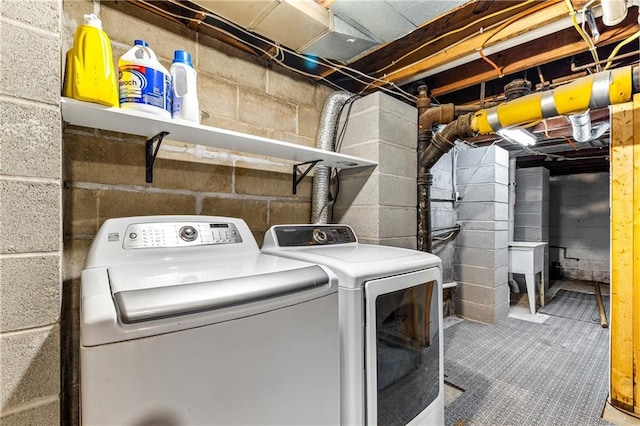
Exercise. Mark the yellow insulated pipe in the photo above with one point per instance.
(593, 91)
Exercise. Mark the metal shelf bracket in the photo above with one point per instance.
(297, 180)
(152, 153)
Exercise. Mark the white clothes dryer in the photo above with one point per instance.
(185, 322)
(390, 323)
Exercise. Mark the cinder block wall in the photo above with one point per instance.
(531, 219)
(380, 204)
(481, 267)
(30, 212)
(104, 172)
(579, 238)
(443, 213)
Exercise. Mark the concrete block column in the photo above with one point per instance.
(481, 248)
(380, 203)
(30, 208)
(531, 221)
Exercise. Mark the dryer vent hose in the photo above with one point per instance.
(320, 203)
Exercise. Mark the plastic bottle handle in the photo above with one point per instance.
(180, 81)
(150, 54)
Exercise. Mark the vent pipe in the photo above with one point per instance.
(613, 11)
(320, 201)
(427, 119)
(581, 126)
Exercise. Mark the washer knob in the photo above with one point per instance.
(319, 236)
(188, 233)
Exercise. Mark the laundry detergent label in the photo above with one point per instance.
(144, 85)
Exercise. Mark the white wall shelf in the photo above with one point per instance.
(152, 127)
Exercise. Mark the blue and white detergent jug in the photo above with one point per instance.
(144, 84)
(185, 96)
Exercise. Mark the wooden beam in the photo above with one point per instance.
(622, 249)
(635, 284)
(547, 49)
(420, 43)
(325, 3)
(447, 50)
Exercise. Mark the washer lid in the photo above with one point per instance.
(145, 292)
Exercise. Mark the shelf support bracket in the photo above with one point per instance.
(153, 153)
(296, 179)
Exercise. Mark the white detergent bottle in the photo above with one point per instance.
(185, 95)
(144, 84)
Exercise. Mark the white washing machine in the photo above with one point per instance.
(390, 323)
(185, 322)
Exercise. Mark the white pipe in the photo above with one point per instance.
(451, 284)
(613, 12)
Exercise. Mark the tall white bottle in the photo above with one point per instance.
(145, 85)
(185, 92)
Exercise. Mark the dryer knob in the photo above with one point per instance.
(188, 233)
(320, 236)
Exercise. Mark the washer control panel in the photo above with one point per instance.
(313, 235)
(179, 234)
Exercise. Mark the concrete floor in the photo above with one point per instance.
(520, 302)
(520, 309)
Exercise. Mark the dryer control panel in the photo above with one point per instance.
(312, 235)
(179, 234)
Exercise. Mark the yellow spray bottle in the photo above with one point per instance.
(90, 75)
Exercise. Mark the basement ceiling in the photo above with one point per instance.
(465, 52)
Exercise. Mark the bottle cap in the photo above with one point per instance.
(140, 43)
(93, 21)
(182, 57)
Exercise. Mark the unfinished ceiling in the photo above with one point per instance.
(465, 52)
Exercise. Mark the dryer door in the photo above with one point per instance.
(403, 341)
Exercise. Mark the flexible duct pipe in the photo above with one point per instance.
(613, 11)
(581, 126)
(326, 137)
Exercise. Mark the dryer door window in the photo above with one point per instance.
(403, 327)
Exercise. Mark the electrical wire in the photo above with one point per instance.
(620, 46)
(280, 50)
(445, 238)
(337, 143)
(490, 62)
(570, 142)
(585, 37)
(502, 27)
(440, 37)
(325, 63)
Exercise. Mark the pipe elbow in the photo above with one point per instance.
(442, 142)
(441, 114)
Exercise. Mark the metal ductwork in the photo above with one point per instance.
(320, 201)
(343, 32)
